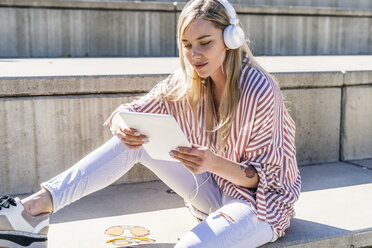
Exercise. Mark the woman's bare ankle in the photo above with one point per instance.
(38, 203)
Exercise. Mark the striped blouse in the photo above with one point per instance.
(262, 135)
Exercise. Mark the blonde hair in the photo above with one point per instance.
(191, 88)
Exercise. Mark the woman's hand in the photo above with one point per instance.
(197, 159)
(129, 136)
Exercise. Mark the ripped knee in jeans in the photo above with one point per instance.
(226, 217)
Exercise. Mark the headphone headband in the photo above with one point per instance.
(233, 34)
(231, 11)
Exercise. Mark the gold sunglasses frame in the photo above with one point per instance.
(126, 227)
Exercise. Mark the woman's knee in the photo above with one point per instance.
(198, 237)
(233, 225)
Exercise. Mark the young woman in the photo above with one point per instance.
(242, 154)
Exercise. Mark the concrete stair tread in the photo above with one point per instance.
(73, 76)
(334, 208)
(332, 212)
(67, 67)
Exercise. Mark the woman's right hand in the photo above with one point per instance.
(129, 136)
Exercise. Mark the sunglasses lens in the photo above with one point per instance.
(121, 242)
(147, 241)
(114, 231)
(139, 231)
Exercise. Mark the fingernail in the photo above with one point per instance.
(137, 133)
(145, 140)
(177, 149)
(171, 154)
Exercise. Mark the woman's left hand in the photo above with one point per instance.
(197, 159)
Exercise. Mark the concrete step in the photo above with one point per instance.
(48, 28)
(24, 68)
(333, 211)
(57, 104)
(356, 4)
(62, 76)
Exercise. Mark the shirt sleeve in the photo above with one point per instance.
(264, 151)
(152, 102)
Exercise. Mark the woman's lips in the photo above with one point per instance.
(200, 66)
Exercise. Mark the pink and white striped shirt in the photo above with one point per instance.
(262, 135)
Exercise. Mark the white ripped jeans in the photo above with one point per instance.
(109, 162)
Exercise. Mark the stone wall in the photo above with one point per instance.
(46, 28)
(355, 4)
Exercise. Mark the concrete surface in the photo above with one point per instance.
(317, 134)
(361, 4)
(358, 67)
(357, 136)
(341, 5)
(52, 110)
(365, 163)
(145, 204)
(46, 28)
(334, 208)
(333, 211)
(22, 77)
(90, 32)
(357, 77)
(306, 35)
(43, 136)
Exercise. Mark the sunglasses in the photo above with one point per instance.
(127, 235)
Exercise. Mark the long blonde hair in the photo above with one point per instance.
(191, 89)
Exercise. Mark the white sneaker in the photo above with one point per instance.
(18, 228)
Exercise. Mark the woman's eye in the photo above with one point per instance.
(205, 43)
(188, 46)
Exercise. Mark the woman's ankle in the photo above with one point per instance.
(38, 203)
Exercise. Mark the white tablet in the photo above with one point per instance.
(163, 132)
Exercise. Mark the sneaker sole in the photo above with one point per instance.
(14, 245)
(16, 240)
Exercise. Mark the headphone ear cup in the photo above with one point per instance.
(233, 36)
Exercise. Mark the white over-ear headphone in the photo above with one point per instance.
(233, 35)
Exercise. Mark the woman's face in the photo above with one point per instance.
(203, 46)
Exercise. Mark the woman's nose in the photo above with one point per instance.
(195, 53)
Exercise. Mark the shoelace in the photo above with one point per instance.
(6, 201)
